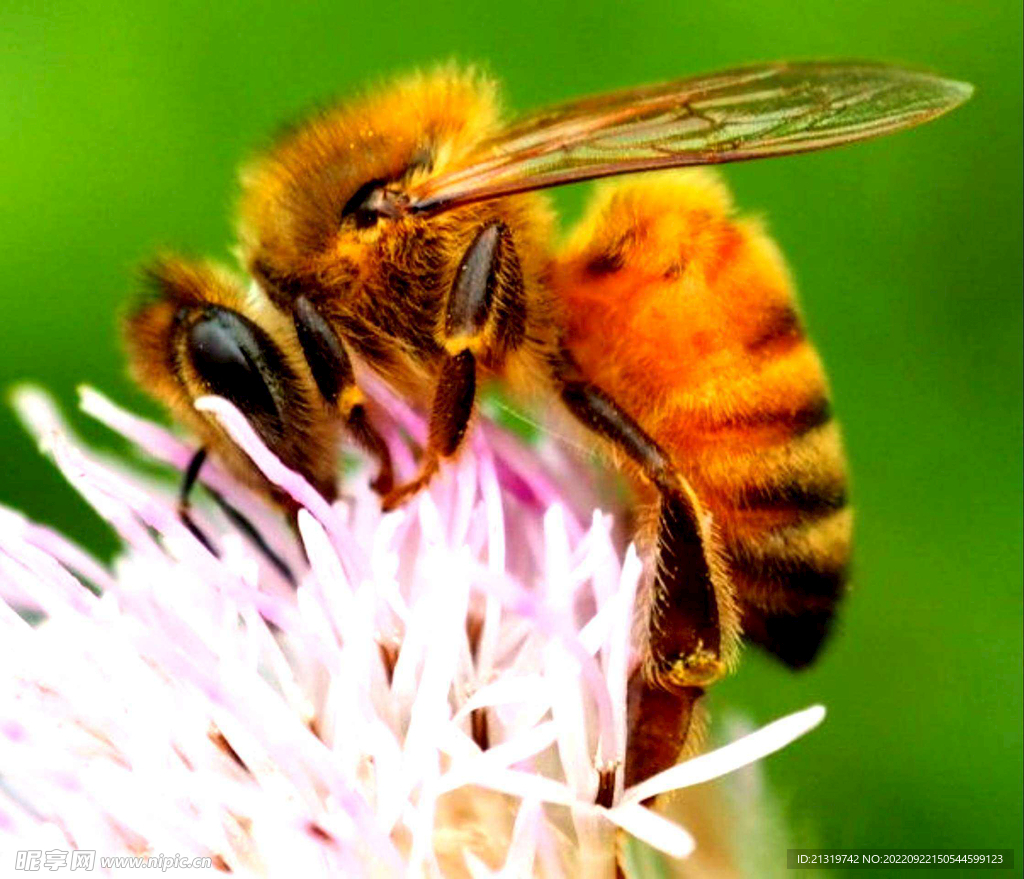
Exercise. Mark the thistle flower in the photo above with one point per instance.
(441, 695)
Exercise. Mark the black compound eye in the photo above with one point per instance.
(237, 360)
(365, 203)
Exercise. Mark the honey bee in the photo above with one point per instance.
(408, 230)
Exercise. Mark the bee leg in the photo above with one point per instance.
(371, 442)
(195, 465)
(488, 270)
(658, 721)
(242, 523)
(185, 503)
(684, 645)
(449, 420)
(684, 632)
(332, 371)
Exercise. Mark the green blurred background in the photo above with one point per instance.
(123, 124)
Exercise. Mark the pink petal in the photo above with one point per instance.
(656, 831)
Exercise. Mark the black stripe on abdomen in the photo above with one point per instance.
(805, 496)
(787, 583)
(793, 576)
(780, 328)
(811, 415)
(795, 639)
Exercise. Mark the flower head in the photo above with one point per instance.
(442, 694)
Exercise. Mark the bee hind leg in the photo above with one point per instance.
(684, 630)
(684, 649)
(488, 273)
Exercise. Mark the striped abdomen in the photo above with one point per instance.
(686, 318)
(774, 479)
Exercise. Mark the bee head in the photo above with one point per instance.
(197, 333)
(315, 209)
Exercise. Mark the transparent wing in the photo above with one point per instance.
(747, 113)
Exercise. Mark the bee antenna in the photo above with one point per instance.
(185, 504)
(240, 521)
